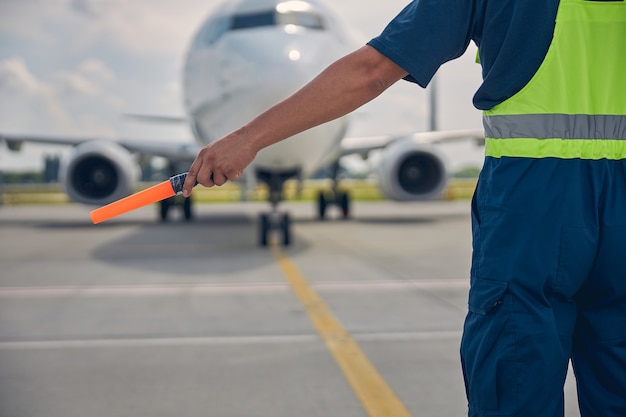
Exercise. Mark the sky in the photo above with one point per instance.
(75, 67)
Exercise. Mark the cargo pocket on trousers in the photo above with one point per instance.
(487, 350)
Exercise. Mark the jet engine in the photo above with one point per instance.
(99, 172)
(411, 170)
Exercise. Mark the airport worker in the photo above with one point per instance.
(548, 273)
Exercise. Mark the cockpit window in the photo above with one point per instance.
(308, 20)
(305, 19)
(290, 13)
(252, 20)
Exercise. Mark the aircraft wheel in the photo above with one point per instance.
(321, 205)
(285, 226)
(164, 207)
(344, 203)
(264, 229)
(187, 209)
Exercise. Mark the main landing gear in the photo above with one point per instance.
(177, 201)
(275, 222)
(335, 197)
(338, 198)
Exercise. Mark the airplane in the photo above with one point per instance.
(247, 56)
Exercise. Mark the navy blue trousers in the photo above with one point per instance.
(548, 285)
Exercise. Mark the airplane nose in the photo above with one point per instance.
(274, 57)
(249, 71)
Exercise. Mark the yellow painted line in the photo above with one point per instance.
(375, 395)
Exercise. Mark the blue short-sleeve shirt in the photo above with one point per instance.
(513, 37)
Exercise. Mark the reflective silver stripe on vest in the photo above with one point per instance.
(555, 126)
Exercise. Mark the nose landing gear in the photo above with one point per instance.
(274, 223)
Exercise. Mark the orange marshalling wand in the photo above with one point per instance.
(150, 195)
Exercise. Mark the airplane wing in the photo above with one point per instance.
(175, 151)
(362, 145)
(411, 167)
(99, 170)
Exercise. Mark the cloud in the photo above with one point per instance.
(15, 78)
(87, 80)
(154, 27)
(27, 101)
(98, 70)
(74, 66)
(90, 8)
(68, 102)
(71, 84)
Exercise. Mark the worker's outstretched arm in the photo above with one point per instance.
(341, 88)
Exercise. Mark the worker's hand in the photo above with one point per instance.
(219, 162)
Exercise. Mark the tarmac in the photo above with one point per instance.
(134, 317)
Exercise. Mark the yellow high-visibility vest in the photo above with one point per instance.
(575, 104)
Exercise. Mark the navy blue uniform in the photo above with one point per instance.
(512, 36)
(548, 276)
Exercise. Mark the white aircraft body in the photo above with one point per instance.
(246, 57)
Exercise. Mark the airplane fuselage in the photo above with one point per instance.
(248, 56)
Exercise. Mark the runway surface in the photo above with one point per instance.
(137, 318)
